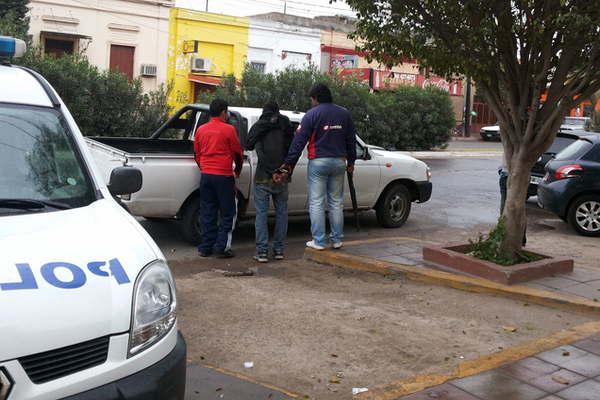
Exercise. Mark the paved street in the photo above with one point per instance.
(465, 198)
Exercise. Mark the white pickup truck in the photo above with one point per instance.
(385, 181)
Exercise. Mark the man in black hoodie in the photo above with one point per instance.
(271, 135)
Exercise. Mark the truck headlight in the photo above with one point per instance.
(428, 174)
(154, 306)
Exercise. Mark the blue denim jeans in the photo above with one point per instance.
(326, 189)
(262, 193)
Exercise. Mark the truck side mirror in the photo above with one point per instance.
(366, 155)
(125, 180)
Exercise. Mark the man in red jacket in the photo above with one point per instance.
(217, 148)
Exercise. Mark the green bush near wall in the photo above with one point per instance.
(104, 103)
(407, 118)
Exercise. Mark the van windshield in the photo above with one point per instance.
(41, 170)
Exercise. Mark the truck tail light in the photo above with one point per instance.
(568, 171)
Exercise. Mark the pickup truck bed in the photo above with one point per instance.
(148, 146)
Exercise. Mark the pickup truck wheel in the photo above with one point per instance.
(393, 209)
(584, 215)
(192, 230)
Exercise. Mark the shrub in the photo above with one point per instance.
(104, 103)
(408, 118)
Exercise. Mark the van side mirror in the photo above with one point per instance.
(125, 180)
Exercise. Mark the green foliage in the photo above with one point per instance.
(516, 52)
(104, 103)
(406, 119)
(487, 247)
(13, 18)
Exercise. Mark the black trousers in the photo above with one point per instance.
(218, 205)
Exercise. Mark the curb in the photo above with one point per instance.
(460, 282)
(451, 154)
(482, 364)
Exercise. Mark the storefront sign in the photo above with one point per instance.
(190, 46)
(344, 61)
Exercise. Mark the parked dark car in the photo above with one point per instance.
(571, 186)
(562, 141)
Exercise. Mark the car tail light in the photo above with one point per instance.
(568, 171)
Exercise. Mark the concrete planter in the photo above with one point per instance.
(455, 258)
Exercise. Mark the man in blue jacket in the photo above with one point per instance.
(329, 131)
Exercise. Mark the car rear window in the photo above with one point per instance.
(593, 155)
(575, 150)
(560, 143)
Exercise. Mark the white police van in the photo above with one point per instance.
(87, 301)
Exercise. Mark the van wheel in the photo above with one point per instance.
(584, 215)
(190, 220)
(394, 207)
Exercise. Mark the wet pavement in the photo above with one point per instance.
(465, 197)
(570, 372)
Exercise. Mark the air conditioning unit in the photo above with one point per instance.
(200, 64)
(148, 70)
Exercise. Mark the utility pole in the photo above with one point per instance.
(467, 116)
(206, 6)
(284, 7)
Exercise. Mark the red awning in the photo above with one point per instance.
(205, 80)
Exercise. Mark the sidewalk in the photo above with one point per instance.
(570, 372)
(581, 283)
(567, 372)
(463, 148)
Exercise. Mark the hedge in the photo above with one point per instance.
(407, 118)
(104, 103)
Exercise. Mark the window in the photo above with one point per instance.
(121, 59)
(593, 155)
(575, 150)
(59, 47)
(258, 66)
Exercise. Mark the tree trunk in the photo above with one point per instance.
(514, 209)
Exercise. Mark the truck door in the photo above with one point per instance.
(367, 175)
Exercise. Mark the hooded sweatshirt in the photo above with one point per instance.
(271, 135)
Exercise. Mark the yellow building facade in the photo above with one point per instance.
(203, 47)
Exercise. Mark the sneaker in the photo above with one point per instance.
(262, 257)
(278, 254)
(224, 254)
(315, 246)
(204, 254)
(338, 245)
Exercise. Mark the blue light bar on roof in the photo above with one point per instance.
(11, 47)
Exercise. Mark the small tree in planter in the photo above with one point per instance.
(516, 51)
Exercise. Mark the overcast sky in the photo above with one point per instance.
(308, 8)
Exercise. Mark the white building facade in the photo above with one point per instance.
(126, 35)
(274, 46)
